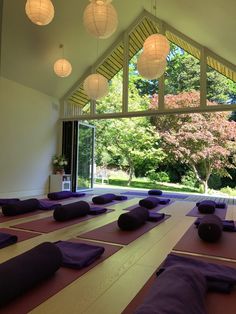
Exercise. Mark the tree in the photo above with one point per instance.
(203, 141)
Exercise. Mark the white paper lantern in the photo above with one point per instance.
(156, 46)
(100, 18)
(62, 68)
(150, 69)
(40, 12)
(96, 86)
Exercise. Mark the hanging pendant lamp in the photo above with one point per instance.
(96, 86)
(156, 47)
(62, 66)
(40, 12)
(149, 69)
(100, 18)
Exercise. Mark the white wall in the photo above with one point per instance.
(29, 130)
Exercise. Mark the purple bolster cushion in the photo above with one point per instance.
(63, 195)
(133, 219)
(177, 290)
(155, 192)
(6, 201)
(149, 202)
(104, 198)
(210, 228)
(71, 211)
(23, 272)
(21, 207)
(206, 207)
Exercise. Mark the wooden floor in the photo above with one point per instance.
(110, 286)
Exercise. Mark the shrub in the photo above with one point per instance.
(189, 179)
(161, 176)
(229, 191)
(214, 182)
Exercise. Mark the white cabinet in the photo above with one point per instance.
(60, 182)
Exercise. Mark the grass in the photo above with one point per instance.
(142, 184)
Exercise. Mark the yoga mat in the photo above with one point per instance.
(8, 218)
(155, 209)
(190, 242)
(216, 303)
(62, 278)
(220, 212)
(166, 195)
(112, 233)
(48, 224)
(21, 235)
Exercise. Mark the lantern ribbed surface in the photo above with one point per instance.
(96, 86)
(156, 47)
(62, 68)
(150, 69)
(100, 19)
(40, 12)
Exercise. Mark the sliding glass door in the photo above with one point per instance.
(85, 156)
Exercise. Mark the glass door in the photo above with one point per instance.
(85, 156)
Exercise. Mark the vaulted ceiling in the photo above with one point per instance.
(28, 52)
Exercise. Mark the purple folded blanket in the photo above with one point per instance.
(7, 239)
(155, 216)
(133, 219)
(63, 195)
(97, 210)
(78, 255)
(21, 207)
(228, 225)
(6, 201)
(48, 205)
(178, 290)
(71, 211)
(23, 272)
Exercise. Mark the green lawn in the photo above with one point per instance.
(142, 184)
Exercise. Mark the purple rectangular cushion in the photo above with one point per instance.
(78, 255)
(7, 239)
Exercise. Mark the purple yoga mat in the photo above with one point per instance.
(21, 235)
(165, 194)
(48, 224)
(62, 278)
(155, 209)
(191, 242)
(216, 303)
(112, 233)
(220, 212)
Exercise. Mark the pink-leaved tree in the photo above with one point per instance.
(206, 142)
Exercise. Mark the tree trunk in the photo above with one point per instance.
(131, 172)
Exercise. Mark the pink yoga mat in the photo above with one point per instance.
(190, 242)
(21, 235)
(48, 224)
(216, 303)
(112, 233)
(220, 212)
(155, 209)
(62, 278)
(8, 218)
